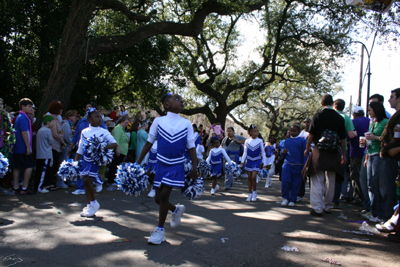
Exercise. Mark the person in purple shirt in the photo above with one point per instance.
(361, 124)
(22, 150)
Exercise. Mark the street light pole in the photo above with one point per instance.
(369, 76)
(361, 76)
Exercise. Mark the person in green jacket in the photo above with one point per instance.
(119, 134)
(373, 161)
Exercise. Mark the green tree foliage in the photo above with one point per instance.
(304, 41)
(30, 32)
(276, 110)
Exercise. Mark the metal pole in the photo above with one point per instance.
(361, 76)
(369, 73)
(369, 82)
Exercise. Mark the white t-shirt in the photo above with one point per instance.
(199, 151)
(304, 134)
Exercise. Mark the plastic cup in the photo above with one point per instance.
(368, 134)
(362, 145)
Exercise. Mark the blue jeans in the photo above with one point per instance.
(387, 186)
(364, 185)
(373, 173)
(338, 186)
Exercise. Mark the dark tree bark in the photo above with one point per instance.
(70, 57)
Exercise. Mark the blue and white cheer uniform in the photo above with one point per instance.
(88, 167)
(254, 154)
(174, 134)
(215, 159)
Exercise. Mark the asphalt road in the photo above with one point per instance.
(220, 230)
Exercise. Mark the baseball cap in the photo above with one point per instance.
(107, 119)
(358, 109)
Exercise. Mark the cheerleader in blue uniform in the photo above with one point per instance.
(215, 158)
(254, 155)
(151, 168)
(174, 134)
(89, 169)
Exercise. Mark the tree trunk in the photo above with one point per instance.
(70, 58)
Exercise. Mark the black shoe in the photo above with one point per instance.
(227, 189)
(314, 213)
(327, 211)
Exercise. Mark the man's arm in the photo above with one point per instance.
(352, 134)
(343, 146)
(308, 146)
(25, 137)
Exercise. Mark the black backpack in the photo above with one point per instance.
(329, 141)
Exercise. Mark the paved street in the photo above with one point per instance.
(220, 230)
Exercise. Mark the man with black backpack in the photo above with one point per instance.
(327, 131)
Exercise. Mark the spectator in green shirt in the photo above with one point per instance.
(119, 134)
(373, 162)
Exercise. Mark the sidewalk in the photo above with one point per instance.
(221, 230)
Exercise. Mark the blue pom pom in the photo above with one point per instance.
(3, 165)
(269, 151)
(69, 170)
(233, 169)
(263, 173)
(95, 149)
(131, 178)
(188, 167)
(203, 168)
(193, 189)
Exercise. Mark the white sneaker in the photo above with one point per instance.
(91, 210)
(99, 187)
(212, 191)
(291, 204)
(284, 202)
(176, 216)
(43, 191)
(216, 188)
(248, 199)
(254, 196)
(152, 193)
(157, 236)
(78, 192)
(299, 199)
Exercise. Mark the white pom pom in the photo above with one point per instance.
(203, 168)
(3, 165)
(188, 167)
(95, 149)
(69, 170)
(193, 189)
(263, 173)
(131, 179)
(233, 169)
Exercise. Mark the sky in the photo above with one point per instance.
(385, 73)
(385, 65)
